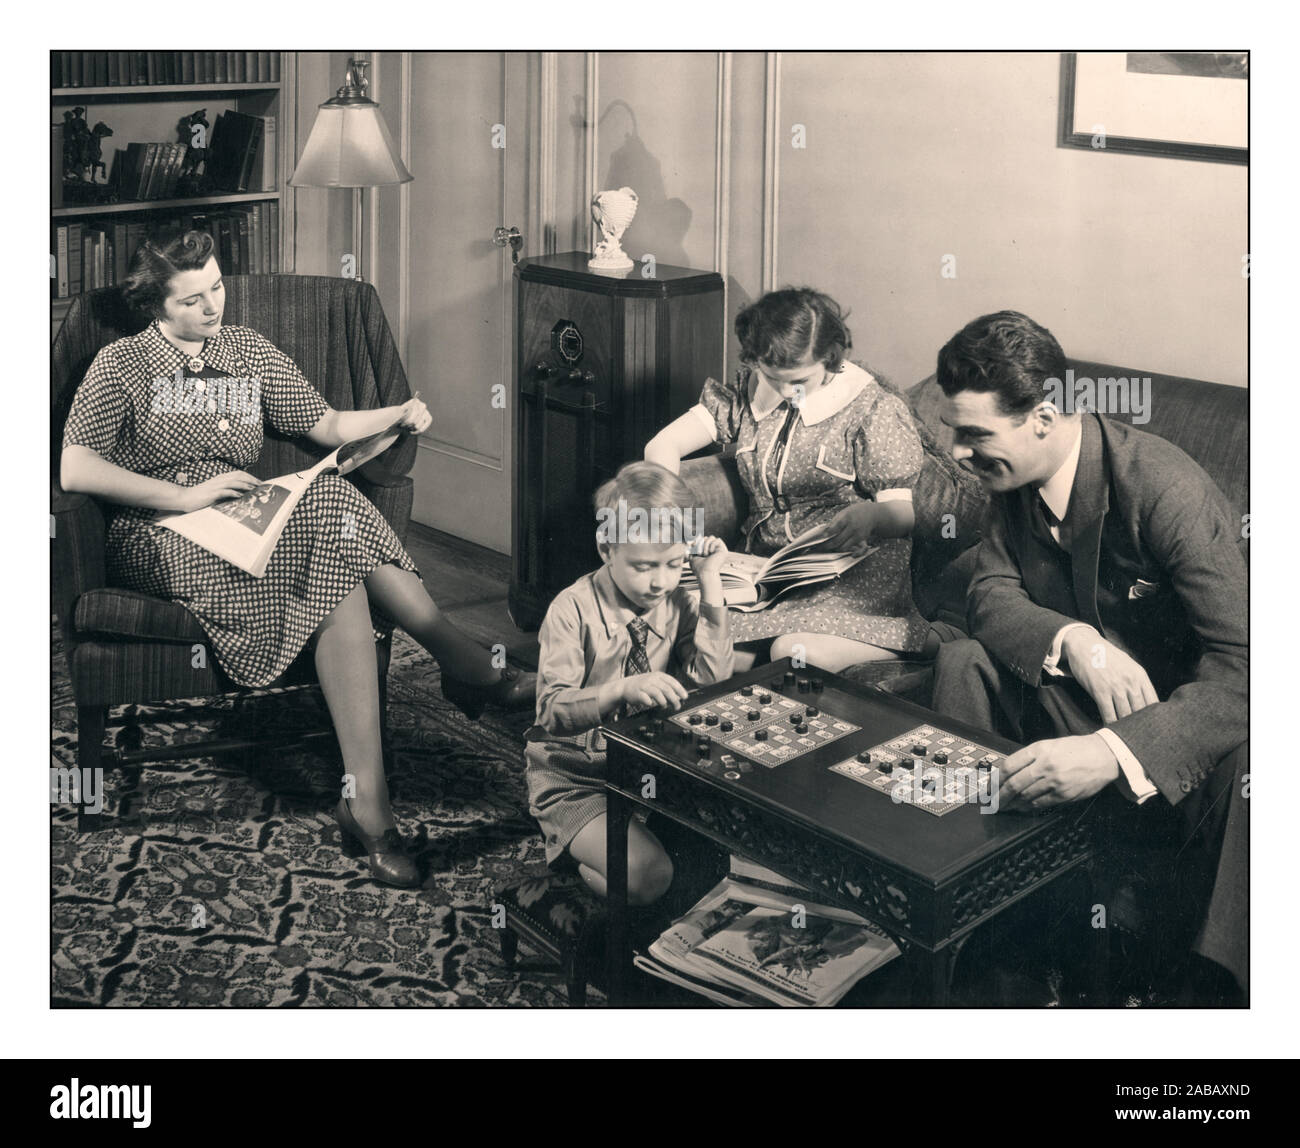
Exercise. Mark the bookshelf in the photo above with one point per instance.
(150, 113)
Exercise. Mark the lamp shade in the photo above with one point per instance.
(349, 146)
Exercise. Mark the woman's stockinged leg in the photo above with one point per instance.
(348, 673)
(401, 595)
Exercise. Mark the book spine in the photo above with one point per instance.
(135, 235)
(220, 60)
(209, 68)
(61, 259)
(120, 253)
(256, 240)
(269, 154)
(245, 243)
(114, 76)
(74, 69)
(273, 70)
(74, 258)
(250, 67)
(263, 67)
(252, 149)
(147, 167)
(275, 238)
(187, 67)
(56, 69)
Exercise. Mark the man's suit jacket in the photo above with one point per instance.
(1154, 564)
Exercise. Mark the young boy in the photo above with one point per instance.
(611, 644)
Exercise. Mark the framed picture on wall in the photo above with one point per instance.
(1185, 105)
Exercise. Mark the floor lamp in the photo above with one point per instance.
(350, 146)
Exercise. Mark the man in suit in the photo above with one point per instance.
(1107, 616)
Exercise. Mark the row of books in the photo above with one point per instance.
(92, 255)
(240, 157)
(113, 69)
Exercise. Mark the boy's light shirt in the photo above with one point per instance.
(585, 642)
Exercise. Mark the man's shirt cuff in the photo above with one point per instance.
(1133, 780)
(1052, 663)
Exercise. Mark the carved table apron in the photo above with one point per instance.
(926, 881)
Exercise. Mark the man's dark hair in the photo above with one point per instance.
(1006, 353)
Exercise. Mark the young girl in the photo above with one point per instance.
(610, 643)
(823, 449)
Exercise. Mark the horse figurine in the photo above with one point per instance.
(196, 153)
(82, 149)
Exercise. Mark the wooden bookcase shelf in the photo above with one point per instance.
(149, 113)
(134, 91)
(160, 204)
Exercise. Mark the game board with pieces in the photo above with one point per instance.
(765, 726)
(925, 767)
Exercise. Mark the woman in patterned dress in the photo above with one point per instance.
(822, 447)
(146, 434)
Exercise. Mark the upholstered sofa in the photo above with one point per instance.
(1207, 420)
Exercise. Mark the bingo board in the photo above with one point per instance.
(764, 726)
(926, 767)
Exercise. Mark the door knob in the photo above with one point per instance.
(509, 235)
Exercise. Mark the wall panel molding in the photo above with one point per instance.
(592, 97)
(771, 167)
(548, 100)
(722, 168)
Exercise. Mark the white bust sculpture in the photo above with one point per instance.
(613, 212)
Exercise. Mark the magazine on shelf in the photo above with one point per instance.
(767, 946)
(751, 582)
(244, 530)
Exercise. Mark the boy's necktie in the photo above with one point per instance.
(637, 661)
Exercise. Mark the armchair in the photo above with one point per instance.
(126, 648)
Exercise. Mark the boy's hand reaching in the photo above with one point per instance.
(654, 690)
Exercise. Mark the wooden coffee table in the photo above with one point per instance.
(927, 880)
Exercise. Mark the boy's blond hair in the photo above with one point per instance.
(646, 502)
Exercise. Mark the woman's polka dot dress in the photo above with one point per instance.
(147, 406)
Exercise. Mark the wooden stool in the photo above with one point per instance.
(560, 917)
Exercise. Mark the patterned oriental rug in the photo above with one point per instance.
(223, 883)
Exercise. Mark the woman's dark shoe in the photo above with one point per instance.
(386, 853)
(514, 690)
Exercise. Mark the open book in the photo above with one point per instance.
(750, 582)
(766, 942)
(245, 530)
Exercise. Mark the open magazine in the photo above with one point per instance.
(245, 530)
(755, 942)
(751, 582)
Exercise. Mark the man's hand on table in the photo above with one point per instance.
(1055, 771)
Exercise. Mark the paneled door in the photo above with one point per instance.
(467, 150)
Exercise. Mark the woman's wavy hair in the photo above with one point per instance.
(157, 261)
(783, 328)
